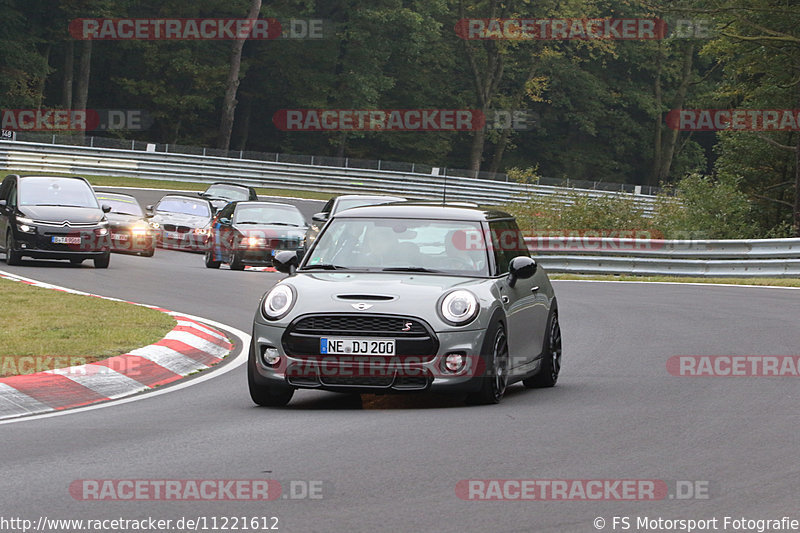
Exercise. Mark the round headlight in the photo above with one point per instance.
(459, 307)
(278, 302)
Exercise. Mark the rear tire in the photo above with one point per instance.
(210, 263)
(265, 395)
(495, 381)
(551, 357)
(13, 257)
(102, 261)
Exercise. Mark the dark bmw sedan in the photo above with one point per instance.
(46, 217)
(221, 193)
(182, 222)
(130, 230)
(251, 233)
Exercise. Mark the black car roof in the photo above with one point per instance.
(261, 202)
(423, 210)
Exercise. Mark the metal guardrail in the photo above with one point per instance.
(779, 258)
(36, 157)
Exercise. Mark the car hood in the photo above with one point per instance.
(180, 219)
(75, 215)
(408, 294)
(120, 220)
(271, 231)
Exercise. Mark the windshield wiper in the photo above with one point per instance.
(408, 269)
(324, 266)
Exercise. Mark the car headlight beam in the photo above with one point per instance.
(459, 307)
(278, 301)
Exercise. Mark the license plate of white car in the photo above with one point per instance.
(173, 235)
(355, 346)
(120, 237)
(66, 240)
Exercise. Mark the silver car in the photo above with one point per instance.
(407, 297)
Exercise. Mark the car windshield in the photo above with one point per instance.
(63, 192)
(228, 192)
(185, 206)
(415, 245)
(268, 214)
(349, 203)
(123, 205)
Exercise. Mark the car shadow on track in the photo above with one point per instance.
(421, 400)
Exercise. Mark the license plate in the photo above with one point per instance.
(66, 240)
(355, 346)
(119, 237)
(173, 235)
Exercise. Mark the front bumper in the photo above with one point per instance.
(127, 241)
(263, 256)
(83, 243)
(371, 374)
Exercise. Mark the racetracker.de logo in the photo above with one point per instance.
(734, 119)
(562, 489)
(175, 489)
(180, 29)
(561, 29)
(732, 366)
(379, 120)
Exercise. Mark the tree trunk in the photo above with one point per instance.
(655, 173)
(243, 126)
(796, 208)
(229, 103)
(84, 71)
(69, 61)
(680, 98)
(43, 79)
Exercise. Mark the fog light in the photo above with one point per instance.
(270, 355)
(454, 362)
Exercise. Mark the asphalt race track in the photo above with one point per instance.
(392, 463)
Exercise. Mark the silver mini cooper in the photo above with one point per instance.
(407, 297)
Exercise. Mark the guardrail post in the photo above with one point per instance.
(346, 161)
(379, 164)
(204, 151)
(133, 145)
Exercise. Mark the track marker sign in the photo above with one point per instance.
(7, 135)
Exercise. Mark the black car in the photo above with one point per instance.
(250, 233)
(47, 217)
(129, 227)
(221, 193)
(345, 201)
(181, 222)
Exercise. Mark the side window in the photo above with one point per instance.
(328, 206)
(508, 243)
(12, 194)
(4, 185)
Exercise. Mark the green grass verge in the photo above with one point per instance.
(38, 323)
(775, 282)
(114, 181)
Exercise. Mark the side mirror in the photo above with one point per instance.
(148, 210)
(225, 221)
(320, 217)
(521, 267)
(201, 194)
(285, 261)
(106, 208)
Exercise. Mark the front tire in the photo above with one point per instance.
(13, 257)
(551, 364)
(264, 395)
(495, 381)
(102, 261)
(210, 263)
(236, 262)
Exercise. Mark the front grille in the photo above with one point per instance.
(413, 336)
(350, 324)
(382, 382)
(64, 224)
(283, 244)
(179, 229)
